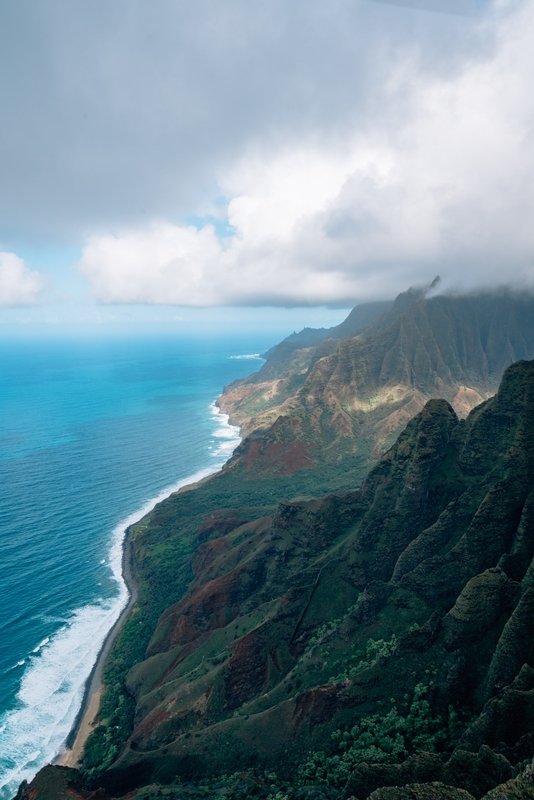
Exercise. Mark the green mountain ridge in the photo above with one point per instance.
(360, 317)
(344, 402)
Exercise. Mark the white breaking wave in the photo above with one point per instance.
(53, 681)
(250, 355)
(226, 434)
(51, 692)
(40, 646)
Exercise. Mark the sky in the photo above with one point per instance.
(185, 161)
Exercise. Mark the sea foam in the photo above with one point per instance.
(56, 671)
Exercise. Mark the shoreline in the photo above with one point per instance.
(90, 707)
(87, 715)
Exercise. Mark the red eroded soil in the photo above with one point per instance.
(249, 670)
(280, 458)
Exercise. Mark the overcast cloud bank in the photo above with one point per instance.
(363, 214)
(327, 154)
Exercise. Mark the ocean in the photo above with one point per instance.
(92, 433)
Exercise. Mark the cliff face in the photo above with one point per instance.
(347, 400)
(279, 356)
(375, 637)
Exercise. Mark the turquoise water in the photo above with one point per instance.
(92, 432)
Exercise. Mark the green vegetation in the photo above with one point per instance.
(168, 541)
(374, 650)
(386, 738)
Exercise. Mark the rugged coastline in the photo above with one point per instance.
(281, 615)
(89, 711)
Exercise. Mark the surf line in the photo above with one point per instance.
(83, 723)
(87, 716)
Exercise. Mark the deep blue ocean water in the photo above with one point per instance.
(92, 431)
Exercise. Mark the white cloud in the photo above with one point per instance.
(158, 265)
(126, 111)
(19, 286)
(449, 189)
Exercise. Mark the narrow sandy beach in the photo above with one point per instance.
(71, 757)
(87, 718)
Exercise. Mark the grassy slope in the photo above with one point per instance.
(164, 545)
